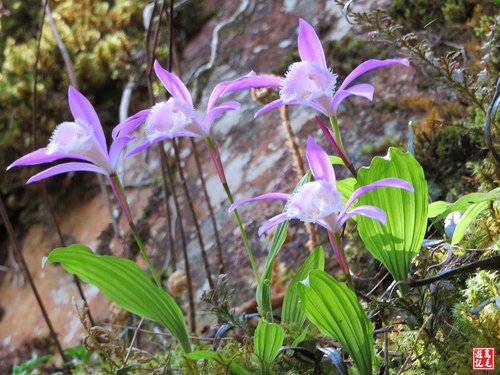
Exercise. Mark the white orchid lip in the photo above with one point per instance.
(314, 201)
(77, 138)
(306, 81)
(71, 137)
(167, 118)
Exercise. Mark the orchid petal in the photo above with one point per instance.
(216, 112)
(325, 224)
(116, 148)
(272, 105)
(263, 197)
(386, 182)
(40, 156)
(173, 84)
(131, 123)
(142, 147)
(310, 48)
(272, 222)
(370, 65)
(251, 80)
(363, 89)
(368, 211)
(66, 167)
(82, 109)
(319, 162)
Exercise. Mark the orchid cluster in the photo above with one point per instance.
(309, 82)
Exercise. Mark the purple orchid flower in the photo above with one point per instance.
(81, 139)
(319, 201)
(310, 82)
(175, 117)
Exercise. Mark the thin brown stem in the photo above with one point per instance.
(76, 280)
(136, 332)
(408, 360)
(171, 241)
(193, 214)
(17, 249)
(33, 146)
(166, 167)
(220, 256)
(192, 313)
(149, 55)
(300, 168)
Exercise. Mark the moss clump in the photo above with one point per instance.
(417, 14)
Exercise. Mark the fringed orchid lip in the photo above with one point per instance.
(308, 82)
(314, 201)
(165, 119)
(77, 138)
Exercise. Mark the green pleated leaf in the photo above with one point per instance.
(234, 367)
(291, 313)
(126, 284)
(466, 220)
(334, 308)
(346, 187)
(263, 292)
(267, 340)
(397, 242)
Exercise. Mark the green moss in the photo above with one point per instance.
(417, 14)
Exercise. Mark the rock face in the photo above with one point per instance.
(244, 36)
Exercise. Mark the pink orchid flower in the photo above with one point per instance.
(175, 117)
(319, 201)
(310, 82)
(82, 138)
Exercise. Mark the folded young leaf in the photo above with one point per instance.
(334, 308)
(268, 338)
(291, 313)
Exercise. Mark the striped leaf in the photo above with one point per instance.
(126, 284)
(334, 308)
(291, 313)
(396, 243)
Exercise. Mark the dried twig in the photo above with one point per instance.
(420, 331)
(13, 240)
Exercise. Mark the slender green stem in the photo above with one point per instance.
(336, 132)
(214, 154)
(243, 233)
(122, 199)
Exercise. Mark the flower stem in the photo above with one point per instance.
(338, 249)
(335, 145)
(336, 132)
(122, 199)
(215, 155)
